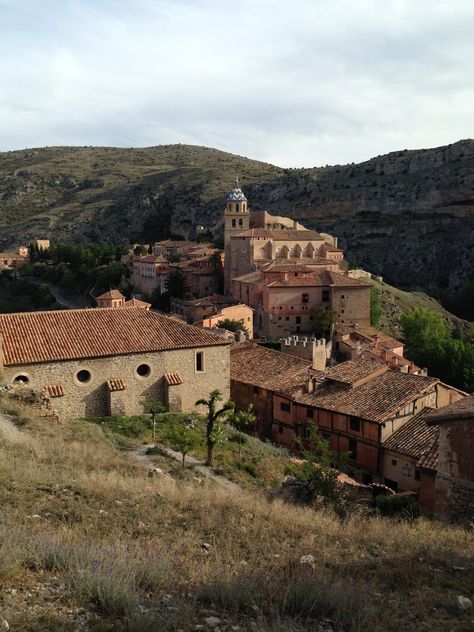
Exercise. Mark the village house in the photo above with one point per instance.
(353, 340)
(208, 311)
(448, 484)
(356, 405)
(283, 296)
(14, 260)
(115, 299)
(98, 362)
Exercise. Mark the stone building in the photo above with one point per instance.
(356, 405)
(283, 296)
(115, 299)
(454, 480)
(208, 311)
(97, 362)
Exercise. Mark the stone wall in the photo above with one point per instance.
(93, 397)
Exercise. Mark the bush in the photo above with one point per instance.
(248, 467)
(398, 506)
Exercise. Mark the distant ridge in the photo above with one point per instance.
(408, 215)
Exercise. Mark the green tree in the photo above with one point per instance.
(175, 284)
(375, 309)
(232, 324)
(213, 429)
(241, 420)
(153, 407)
(140, 250)
(321, 320)
(183, 438)
(317, 472)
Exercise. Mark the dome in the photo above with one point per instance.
(236, 195)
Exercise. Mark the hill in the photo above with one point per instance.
(408, 215)
(88, 541)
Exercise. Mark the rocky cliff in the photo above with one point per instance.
(407, 215)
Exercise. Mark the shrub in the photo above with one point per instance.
(248, 467)
(398, 506)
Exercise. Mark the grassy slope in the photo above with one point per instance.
(395, 302)
(68, 179)
(87, 539)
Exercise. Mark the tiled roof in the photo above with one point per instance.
(251, 277)
(321, 278)
(173, 379)
(152, 259)
(279, 234)
(353, 371)
(414, 438)
(115, 385)
(429, 459)
(462, 409)
(111, 294)
(280, 372)
(135, 302)
(286, 266)
(54, 390)
(377, 399)
(32, 337)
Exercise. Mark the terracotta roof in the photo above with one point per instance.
(173, 379)
(462, 409)
(135, 302)
(54, 390)
(251, 277)
(111, 294)
(280, 372)
(115, 385)
(279, 234)
(377, 399)
(356, 370)
(286, 266)
(321, 278)
(429, 459)
(152, 259)
(32, 337)
(414, 438)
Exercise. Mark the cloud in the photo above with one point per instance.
(301, 83)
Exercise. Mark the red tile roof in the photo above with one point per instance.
(173, 379)
(54, 390)
(414, 438)
(135, 302)
(354, 371)
(115, 385)
(265, 368)
(377, 400)
(32, 337)
(462, 409)
(429, 459)
(321, 278)
(111, 294)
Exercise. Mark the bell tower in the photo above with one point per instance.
(236, 215)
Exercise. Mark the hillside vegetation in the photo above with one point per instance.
(89, 541)
(407, 215)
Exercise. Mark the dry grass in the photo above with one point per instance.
(83, 527)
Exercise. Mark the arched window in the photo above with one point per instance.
(233, 223)
(241, 222)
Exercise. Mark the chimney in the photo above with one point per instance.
(295, 225)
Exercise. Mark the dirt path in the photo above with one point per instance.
(191, 461)
(9, 431)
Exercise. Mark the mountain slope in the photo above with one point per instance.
(408, 215)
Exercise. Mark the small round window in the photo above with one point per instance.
(83, 376)
(143, 370)
(21, 379)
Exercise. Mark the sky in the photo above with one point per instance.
(291, 82)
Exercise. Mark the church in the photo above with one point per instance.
(252, 240)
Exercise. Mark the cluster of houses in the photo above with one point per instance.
(397, 425)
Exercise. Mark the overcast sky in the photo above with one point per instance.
(292, 82)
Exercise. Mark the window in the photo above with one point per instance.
(83, 376)
(233, 223)
(280, 429)
(306, 432)
(255, 390)
(305, 298)
(310, 413)
(394, 461)
(143, 370)
(285, 407)
(325, 296)
(354, 424)
(199, 362)
(353, 449)
(240, 222)
(342, 296)
(298, 320)
(21, 379)
(417, 475)
(287, 318)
